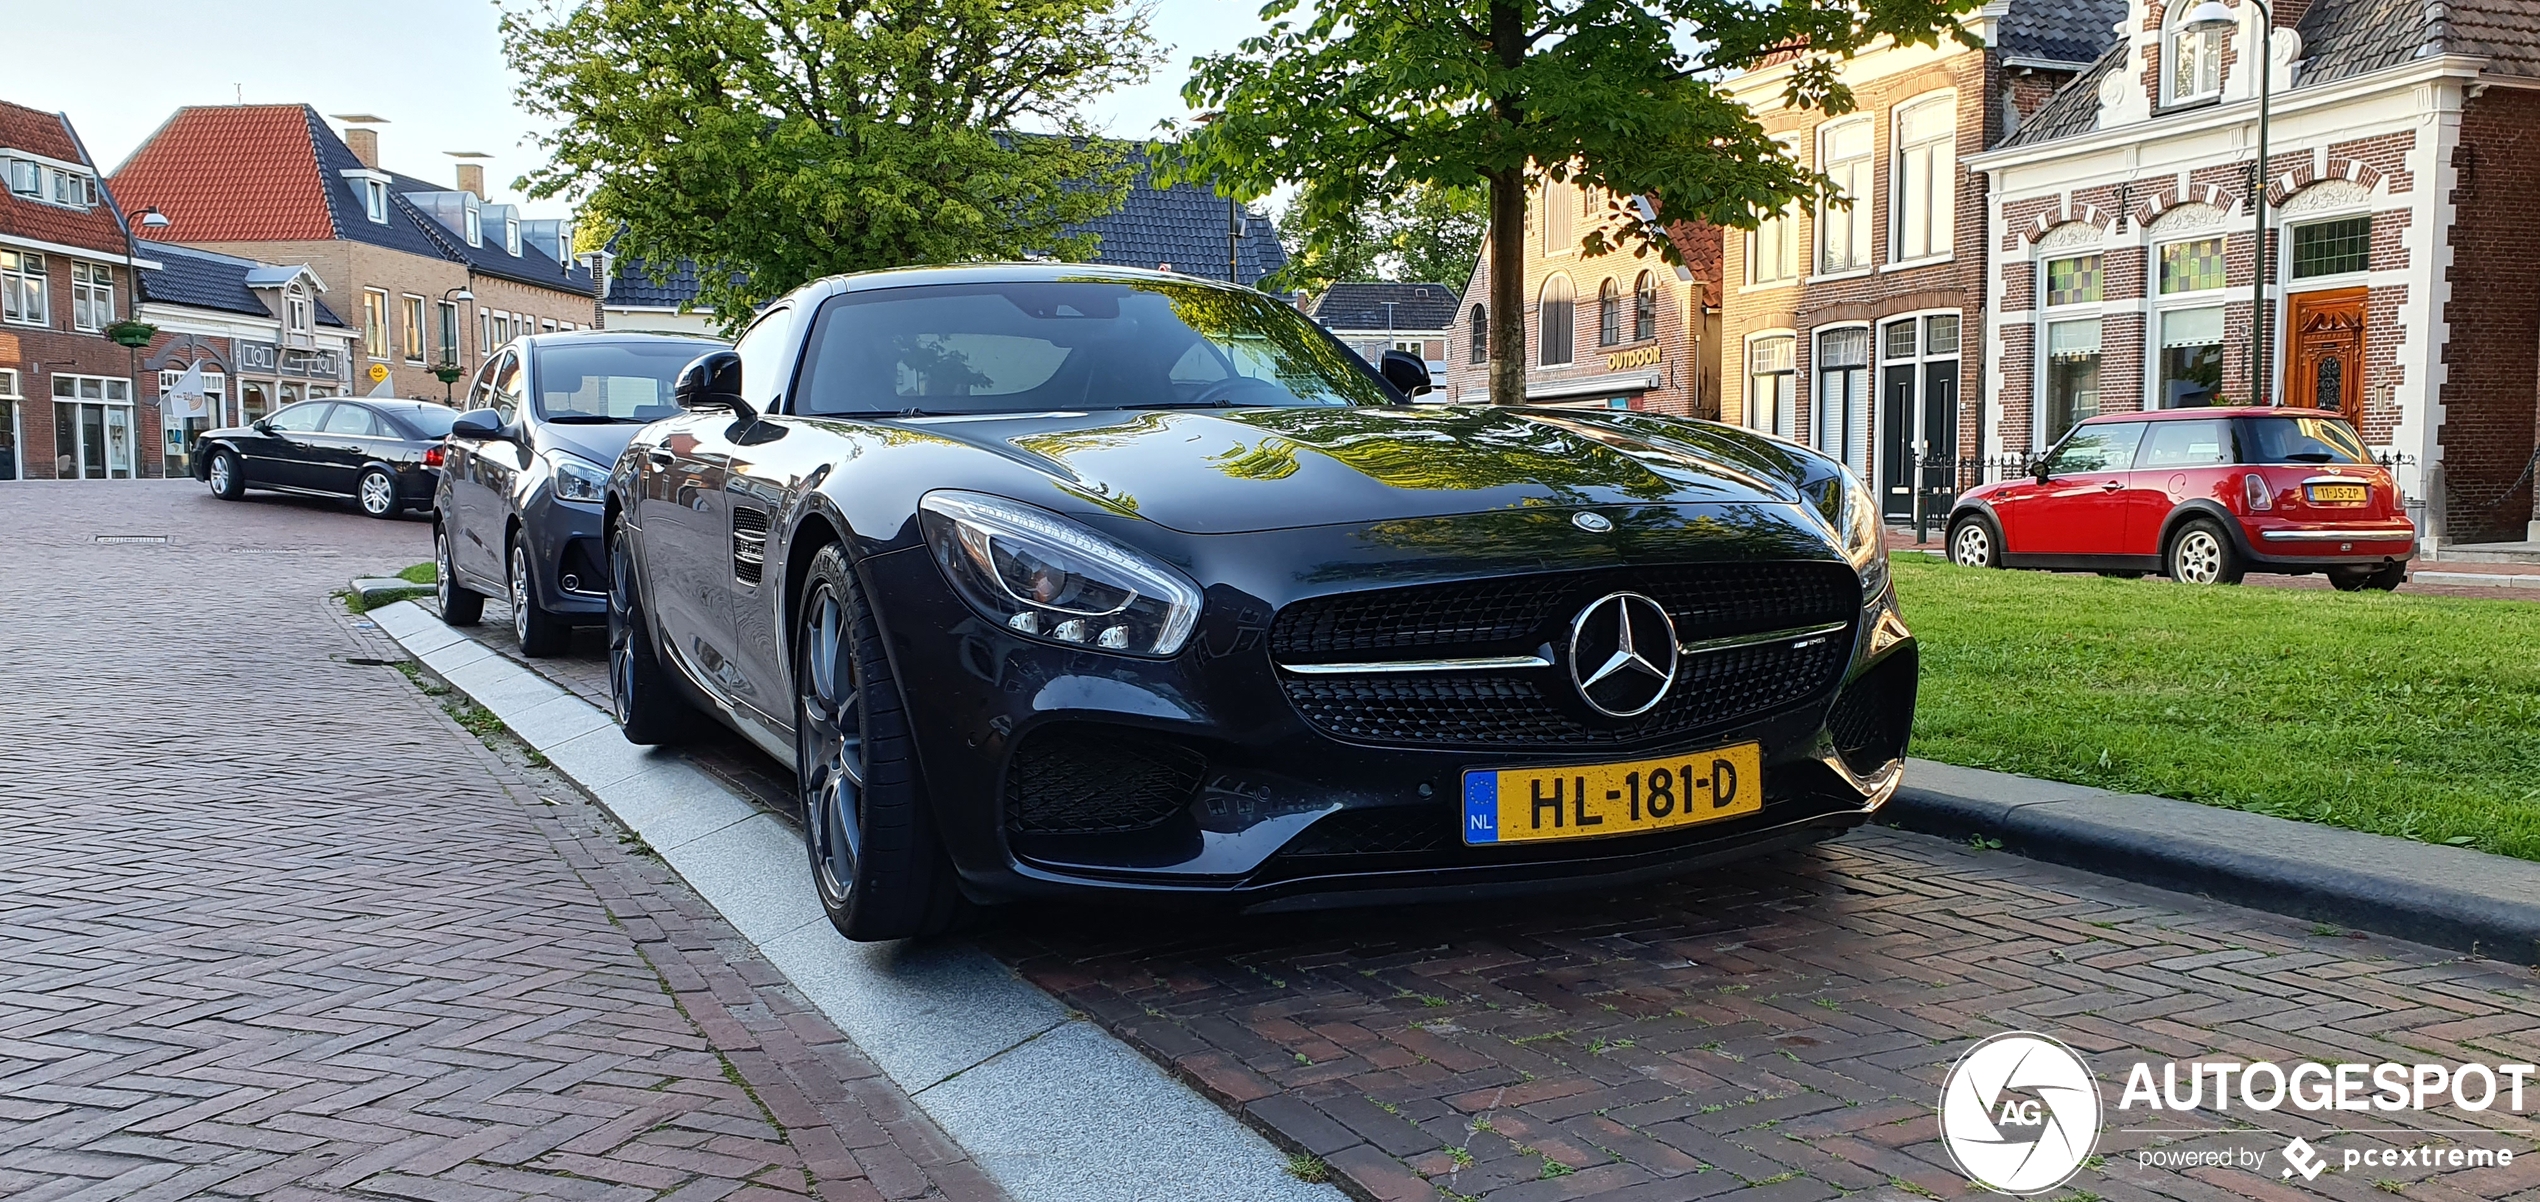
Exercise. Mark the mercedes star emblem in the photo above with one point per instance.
(1591, 521)
(1623, 654)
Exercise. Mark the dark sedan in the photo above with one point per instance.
(1054, 580)
(378, 452)
(518, 513)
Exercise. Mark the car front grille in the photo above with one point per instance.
(1078, 779)
(1503, 707)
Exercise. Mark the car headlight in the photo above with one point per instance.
(578, 479)
(1851, 512)
(1047, 578)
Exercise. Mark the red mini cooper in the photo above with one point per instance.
(2203, 495)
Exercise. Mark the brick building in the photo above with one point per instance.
(1616, 330)
(67, 404)
(1375, 316)
(1853, 326)
(276, 184)
(2404, 141)
(263, 336)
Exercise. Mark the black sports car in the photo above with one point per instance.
(384, 454)
(1059, 580)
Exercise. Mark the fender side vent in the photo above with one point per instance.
(749, 543)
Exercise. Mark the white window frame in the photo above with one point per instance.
(1938, 157)
(27, 289)
(378, 340)
(298, 313)
(2344, 279)
(375, 201)
(474, 226)
(2208, 49)
(113, 392)
(10, 403)
(1786, 417)
(2051, 315)
(511, 236)
(92, 302)
(1817, 409)
(416, 311)
(2216, 298)
(1859, 228)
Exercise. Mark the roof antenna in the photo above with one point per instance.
(240, 90)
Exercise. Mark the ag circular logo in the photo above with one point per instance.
(1623, 654)
(2019, 1113)
(1591, 521)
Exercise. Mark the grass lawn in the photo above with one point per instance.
(2409, 716)
(422, 573)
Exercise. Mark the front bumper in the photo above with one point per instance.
(1271, 812)
(568, 556)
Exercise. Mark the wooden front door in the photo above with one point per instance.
(2325, 369)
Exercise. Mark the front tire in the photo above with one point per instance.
(459, 604)
(226, 475)
(376, 493)
(541, 632)
(1974, 543)
(874, 858)
(2200, 553)
(650, 711)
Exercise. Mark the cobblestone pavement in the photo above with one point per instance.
(273, 924)
(1775, 1032)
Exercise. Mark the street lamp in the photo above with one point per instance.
(2212, 17)
(449, 370)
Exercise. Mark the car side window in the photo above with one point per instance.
(2185, 444)
(480, 395)
(2100, 448)
(301, 419)
(505, 397)
(350, 419)
(762, 350)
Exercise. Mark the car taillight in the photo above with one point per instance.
(432, 456)
(2256, 485)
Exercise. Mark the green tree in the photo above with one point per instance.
(1433, 232)
(1366, 99)
(775, 141)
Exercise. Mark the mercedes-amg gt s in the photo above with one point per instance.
(1056, 580)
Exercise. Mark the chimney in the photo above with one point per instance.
(365, 144)
(472, 179)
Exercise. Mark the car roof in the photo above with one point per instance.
(2207, 412)
(606, 336)
(1014, 273)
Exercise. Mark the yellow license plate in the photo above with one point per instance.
(2345, 494)
(1588, 801)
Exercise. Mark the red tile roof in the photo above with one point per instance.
(48, 134)
(230, 173)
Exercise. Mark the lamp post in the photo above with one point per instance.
(132, 333)
(2212, 17)
(449, 371)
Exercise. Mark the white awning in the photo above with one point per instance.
(1608, 385)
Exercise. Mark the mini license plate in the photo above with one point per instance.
(1514, 805)
(2339, 494)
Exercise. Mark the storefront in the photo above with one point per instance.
(93, 428)
(10, 399)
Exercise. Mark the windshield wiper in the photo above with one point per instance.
(1216, 404)
(587, 419)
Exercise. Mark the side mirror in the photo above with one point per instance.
(478, 424)
(2037, 469)
(261, 425)
(1408, 374)
(712, 381)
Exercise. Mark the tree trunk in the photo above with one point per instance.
(1508, 287)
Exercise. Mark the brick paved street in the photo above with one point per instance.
(273, 925)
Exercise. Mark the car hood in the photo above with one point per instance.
(1242, 470)
(599, 444)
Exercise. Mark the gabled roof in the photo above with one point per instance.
(2058, 31)
(2073, 109)
(277, 172)
(51, 135)
(1360, 305)
(631, 285)
(204, 280)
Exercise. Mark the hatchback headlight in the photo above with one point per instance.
(1047, 578)
(578, 479)
(1851, 512)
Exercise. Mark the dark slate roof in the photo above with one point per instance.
(2073, 109)
(1361, 306)
(531, 266)
(186, 276)
(2059, 31)
(2505, 32)
(405, 228)
(631, 284)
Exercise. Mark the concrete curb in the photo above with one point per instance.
(2452, 897)
(1052, 1106)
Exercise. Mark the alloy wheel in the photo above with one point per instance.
(220, 473)
(441, 570)
(379, 494)
(831, 742)
(520, 594)
(2198, 559)
(622, 619)
(1972, 547)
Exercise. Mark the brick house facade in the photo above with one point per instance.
(1853, 329)
(275, 183)
(262, 335)
(68, 408)
(2122, 252)
(1627, 331)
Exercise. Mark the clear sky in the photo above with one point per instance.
(433, 68)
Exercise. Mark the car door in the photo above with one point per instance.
(479, 485)
(340, 446)
(283, 456)
(2077, 510)
(2179, 459)
(765, 465)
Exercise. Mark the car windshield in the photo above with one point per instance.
(1031, 346)
(429, 421)
(604, 382)
(2299, 440)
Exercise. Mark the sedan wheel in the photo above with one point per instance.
(1971, 544)
(832, 740)
(378, 494)
(2201, 555)
(223, 476)
(541, 633)
(459, 604)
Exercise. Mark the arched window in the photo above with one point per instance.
(1479, 351)
(2194, 69)
(1556, 217)
(1609, 314)
(1557, 316)
(1645, 308)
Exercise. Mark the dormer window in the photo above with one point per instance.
(296, 309)
(2194, 70)
(375, 200)
(511, 238)
(44, 183)
(475, 228)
